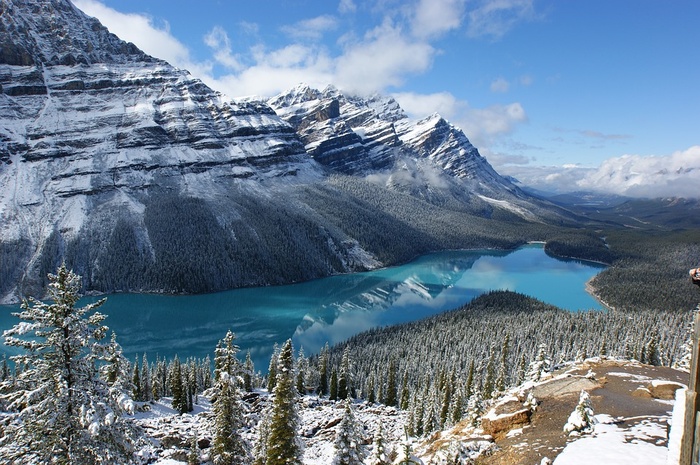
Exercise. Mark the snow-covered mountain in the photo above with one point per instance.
(363, 136)
(142, 178)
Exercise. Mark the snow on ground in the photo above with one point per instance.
(319, 421)
(641, 444)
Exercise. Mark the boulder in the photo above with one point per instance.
(505, 417)
(664, 390)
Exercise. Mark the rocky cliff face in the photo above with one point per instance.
(365, 136)
(91, 127)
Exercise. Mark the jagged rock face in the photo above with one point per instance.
(90, 126)
(348, 135)
(357, 135)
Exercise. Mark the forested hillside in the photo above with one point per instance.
(441, 367)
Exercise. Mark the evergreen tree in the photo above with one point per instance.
(333, 394)
(115, 371)
(582, 419)
(260, 449)
(228, 447)
(445, 407)
(407, 452)
(323, 371)
(405, 394)
(391, 391)
(177, 387)
(146, 388)
(501, 379)
(225, 359)
(302, 367)
(469, 386)
(60, 411)
(248, 371)
(371, 395)
(489, 381)
(379, 453)
(136, 381)
(344, 375)
(284, 447)
(193, 455)
(272, 370)
(348, 443)
(540, 365)
(457, 407)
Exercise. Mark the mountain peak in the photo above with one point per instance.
(54, 32)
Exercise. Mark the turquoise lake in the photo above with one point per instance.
(335, 308)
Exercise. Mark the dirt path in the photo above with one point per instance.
(611, 389)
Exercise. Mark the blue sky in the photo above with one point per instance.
(562, 94)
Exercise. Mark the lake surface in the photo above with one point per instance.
(335, 308)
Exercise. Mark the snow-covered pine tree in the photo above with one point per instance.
(136, 381)
(225, 357)
(229, 447)
(582, 419)
(348, 442)
(405, 393)
(146, 388)
(540, 365)
(115, 370)
(391, 393)
(272, 369)
(380, 455)
(345, 375)
(323, 371)
(60, 410)
(177, 387)
(302, 367)
(502, 378)
(333, 390)
(284, 446)
(248, 372)
(193, 454)
(260, 448)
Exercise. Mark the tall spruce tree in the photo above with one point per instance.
(229, 447)
(348, 443)
(178, 387)
(391, 394)
(284, 446)
(248, 372)
(225, 357)
(60, 410)
(380, 455)
(345, 375)
(323, 371)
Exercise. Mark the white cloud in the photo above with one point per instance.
(481, 125)
(218, 41)
(311, 29)
(141, 30)
(494, 18)
(435, 17)
(383, 58)
(500, 85)
(674, 175)
(347, 6)
(419, 105)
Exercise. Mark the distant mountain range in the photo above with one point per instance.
(142, 178)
